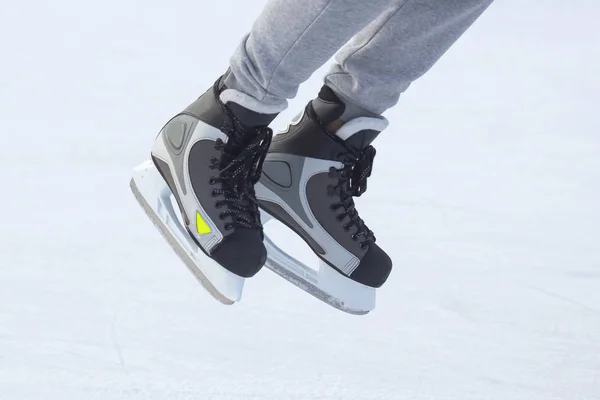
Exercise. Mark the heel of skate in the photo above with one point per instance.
(155, 198)
(324, 283)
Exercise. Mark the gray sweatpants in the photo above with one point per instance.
(385, 45)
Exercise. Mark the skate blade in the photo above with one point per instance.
(154, 196)
(326, 284)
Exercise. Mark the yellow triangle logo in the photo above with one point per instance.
(201, 225)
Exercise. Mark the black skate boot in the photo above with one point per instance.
(208, 157)
(310, 177)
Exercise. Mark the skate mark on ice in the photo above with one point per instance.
(563, 298)
(115, 341)
(584, 274)
(458, 308)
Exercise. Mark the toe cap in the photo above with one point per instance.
(374, 268)
(242, 252)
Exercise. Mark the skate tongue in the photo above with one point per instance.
(360, 128)
(360, 132)
(328, 111)
(247, 109)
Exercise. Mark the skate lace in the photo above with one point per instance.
(352, 182)
(357, 167)
(240, 168)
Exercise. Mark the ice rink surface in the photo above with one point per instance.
(485, 191)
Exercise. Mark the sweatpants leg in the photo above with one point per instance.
(399, 47)
(291, 39)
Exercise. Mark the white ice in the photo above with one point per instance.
(486, 192)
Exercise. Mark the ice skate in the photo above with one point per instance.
(197, 188)
(309, 179)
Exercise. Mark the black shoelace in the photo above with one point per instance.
(357, 167)
(240, 168)
(352, 182)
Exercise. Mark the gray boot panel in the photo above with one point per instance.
(320, 202)
(176, 135)
(282, 174)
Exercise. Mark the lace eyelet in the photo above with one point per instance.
(222, 216)
(362, 246)
(333, 207)
(354, 237)
(228, 227)
(212, 181)
(346, 228)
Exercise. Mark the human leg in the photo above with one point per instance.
(292, 39)
(397, 48)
